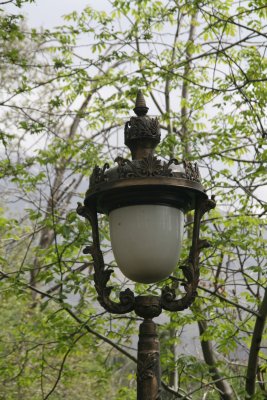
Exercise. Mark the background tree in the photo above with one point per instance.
(66, 95)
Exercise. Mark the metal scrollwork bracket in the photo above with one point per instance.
(191, 269)
(102, 274)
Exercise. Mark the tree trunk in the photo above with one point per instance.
(223, 386)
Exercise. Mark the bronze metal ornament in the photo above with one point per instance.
(145, 179)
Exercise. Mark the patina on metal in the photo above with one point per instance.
(146, 179)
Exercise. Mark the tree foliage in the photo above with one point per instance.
(66, 94)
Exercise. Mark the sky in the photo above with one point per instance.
(48, 13)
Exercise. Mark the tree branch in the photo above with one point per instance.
(255, 348)
(222, 385)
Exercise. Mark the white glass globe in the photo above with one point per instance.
(146, 240)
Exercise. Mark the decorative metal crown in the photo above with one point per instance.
(148, 166)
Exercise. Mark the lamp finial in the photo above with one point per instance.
(141, 133)
(140, 108)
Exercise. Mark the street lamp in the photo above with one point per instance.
(145, 200)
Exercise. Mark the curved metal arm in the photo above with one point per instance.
(102, 274)
(191, 270)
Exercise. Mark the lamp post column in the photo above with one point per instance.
(148, 355)
(148, 364)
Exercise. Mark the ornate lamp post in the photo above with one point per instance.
(145, 200)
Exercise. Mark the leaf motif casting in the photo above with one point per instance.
(140, 127)
(98, 175)
(147, 367)
(191, 171)
(148, 166)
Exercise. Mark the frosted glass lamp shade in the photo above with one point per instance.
(146, 240)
